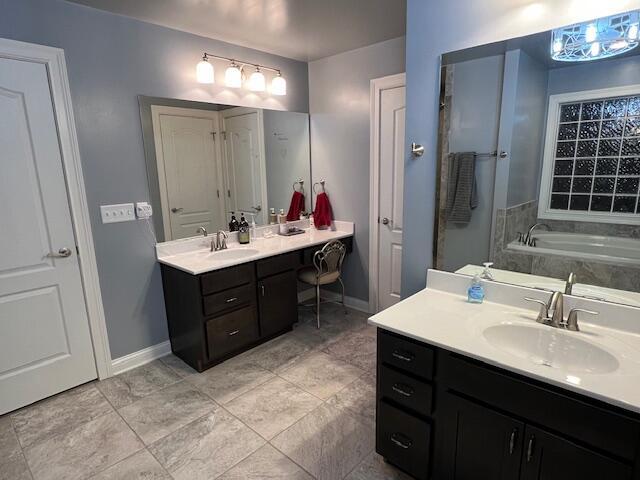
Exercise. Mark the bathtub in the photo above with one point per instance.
(616, 250)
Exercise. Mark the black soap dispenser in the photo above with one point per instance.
(244, 235)
(233, 224)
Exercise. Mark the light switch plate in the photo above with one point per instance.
(122, 212)
(143, 210)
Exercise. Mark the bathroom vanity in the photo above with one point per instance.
(222, 303)
(485, 392)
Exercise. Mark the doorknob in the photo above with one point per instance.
(385, 221)
(176, 210)
(62, 253)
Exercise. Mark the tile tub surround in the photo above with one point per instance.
(440, 316)
(263, 414)
(186, 254)
(516, 219)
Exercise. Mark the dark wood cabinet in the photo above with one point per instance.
(277, 301)
(478, 442)
(550, 457)
(474, 421)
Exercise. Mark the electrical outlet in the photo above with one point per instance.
(122, 212)
(143, 210)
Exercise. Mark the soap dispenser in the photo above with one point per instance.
(244, 235)
(475, 293)
(273, 218)
(233, 224)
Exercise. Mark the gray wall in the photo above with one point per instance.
(339, 107)
(287, 150)
(434, 28)
(111, 59)
(527, 130)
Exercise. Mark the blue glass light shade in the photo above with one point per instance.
(601, 38)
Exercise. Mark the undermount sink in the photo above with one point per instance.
(551, 347)
(231, 254)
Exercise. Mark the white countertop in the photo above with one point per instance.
(444, 319)
(193, 255)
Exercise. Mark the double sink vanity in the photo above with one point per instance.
(220, 303)
(467, 391)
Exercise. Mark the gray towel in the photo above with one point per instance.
(461, 187)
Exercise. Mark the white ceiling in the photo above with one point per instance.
(301, 29)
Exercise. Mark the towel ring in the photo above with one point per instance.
(321, 183)
(301, 183)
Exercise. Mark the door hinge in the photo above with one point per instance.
(224, 134)
(213, 134)
(229, 193)
(218, 192)
(77, 250)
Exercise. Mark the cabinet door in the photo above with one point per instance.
(548, 457)
(278, 300)
(477, 442)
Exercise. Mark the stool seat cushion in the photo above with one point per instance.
(309, 275)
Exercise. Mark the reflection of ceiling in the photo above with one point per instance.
(301, 29)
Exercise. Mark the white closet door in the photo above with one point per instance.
(191, 177)
(45, 345)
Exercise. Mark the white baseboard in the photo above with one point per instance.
(139, 358)
(351, 302)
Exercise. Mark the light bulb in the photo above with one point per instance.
(633, 32)
(591, 33)
(233, 76)
(278, 85)
(595, 49)
(257, 82)
(619, 45)
(204, 71)
(557, 46)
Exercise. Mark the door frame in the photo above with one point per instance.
(54, 60)
(156, 111)
(377, 85)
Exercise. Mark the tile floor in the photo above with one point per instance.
(301, 406)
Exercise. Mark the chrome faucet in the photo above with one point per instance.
(202, 230)
(528, 239)
(219, 242)
(571, 281)
(552, 313)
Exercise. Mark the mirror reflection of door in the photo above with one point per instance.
(189, 170)
(245, 161)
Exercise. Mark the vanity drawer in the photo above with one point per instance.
(228, 278)
(403, 440)
(231, 332)
(280, 263)
(229, 299)
(406, 354)
(406, 391)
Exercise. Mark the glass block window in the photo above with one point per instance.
(596, 165)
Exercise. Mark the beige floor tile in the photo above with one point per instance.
(374, 468)
(267, 463)
(359, 398)
(140, 466)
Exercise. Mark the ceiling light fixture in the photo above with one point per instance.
(204, 71)
(601, 38)
(235, 74)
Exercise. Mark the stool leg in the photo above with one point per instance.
(318, 303)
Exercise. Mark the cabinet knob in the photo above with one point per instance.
(231, 334)
(401, 441)
(404, 390)
(532, 441)
(231, 300)
(512, 441)
(404, 356)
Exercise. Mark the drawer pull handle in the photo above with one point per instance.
(402, 389)
(512, 441)
(404, 356)
(396, 438)
(532, 440)
(231, 334)
(232, 299)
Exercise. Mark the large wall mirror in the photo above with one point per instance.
(539, 160)
(206, 160)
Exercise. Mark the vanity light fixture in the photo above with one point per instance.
(257, 82)
(234, 75)
(204, 71)
(601, 38)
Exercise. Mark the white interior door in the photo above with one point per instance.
(188, 171)
(245, 161)
(45, 343)
(391, 178)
